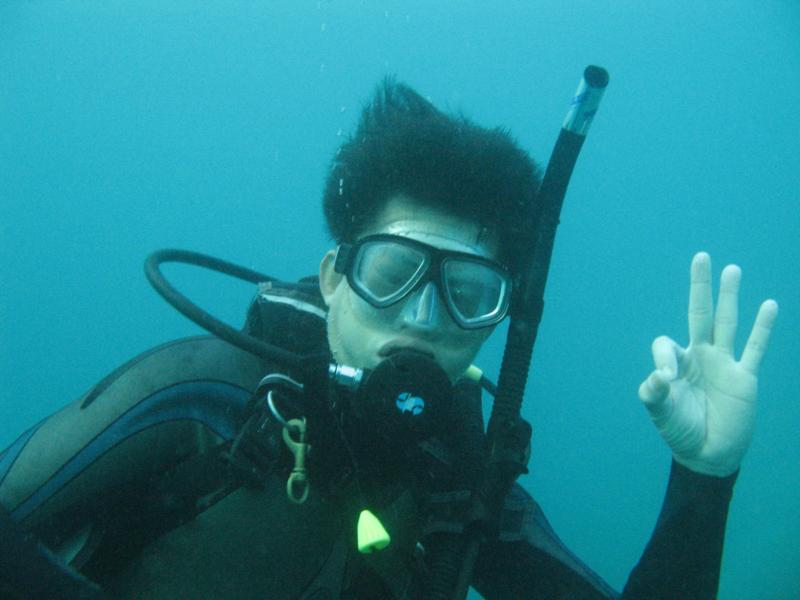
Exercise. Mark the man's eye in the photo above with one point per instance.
(384, 269)
(390, 279)
(466, 293)
(386, 279)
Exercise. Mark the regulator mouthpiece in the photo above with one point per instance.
(407, 394)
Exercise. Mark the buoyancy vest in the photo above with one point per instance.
(143, 498)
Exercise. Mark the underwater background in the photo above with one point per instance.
(126, 127)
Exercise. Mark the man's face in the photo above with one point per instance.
(361, 335)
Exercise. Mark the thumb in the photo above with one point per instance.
(654, 391)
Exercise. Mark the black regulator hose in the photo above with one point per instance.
(152, 269)
(506, 431)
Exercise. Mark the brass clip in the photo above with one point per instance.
(297, 485)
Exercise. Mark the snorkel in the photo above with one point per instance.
(527, 305)
(528, 302)
(508, 435)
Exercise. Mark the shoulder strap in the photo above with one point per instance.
(291, 316)
(27, 570)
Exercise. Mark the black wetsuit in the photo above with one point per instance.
(151, 504)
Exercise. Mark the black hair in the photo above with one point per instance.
(404, 145)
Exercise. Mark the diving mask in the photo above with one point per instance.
(384, 269)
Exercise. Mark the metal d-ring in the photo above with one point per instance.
(268, 384)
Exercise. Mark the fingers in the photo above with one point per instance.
(759, 336)
(665, 356)
(700, 302)
(653, 392)
(727, 313)
(655, 389)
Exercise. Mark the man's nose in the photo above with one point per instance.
(423, 308)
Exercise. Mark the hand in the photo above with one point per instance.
(701, 399)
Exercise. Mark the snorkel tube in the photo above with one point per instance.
(508, 435)
(528, 303)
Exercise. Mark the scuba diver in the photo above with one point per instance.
(349, 459)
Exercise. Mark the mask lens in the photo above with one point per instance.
(386, 270)
(477, 292)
